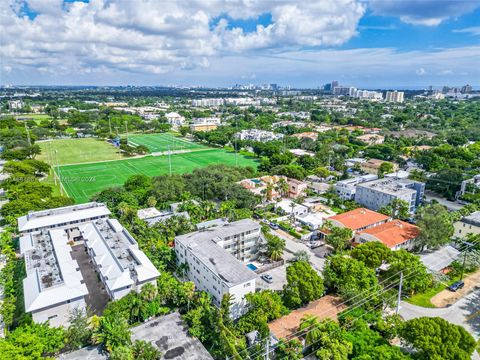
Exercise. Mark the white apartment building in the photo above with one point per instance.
(467, 225)
(394, 96)
(114, 252)
(368, 95)
(214, 257)
(54, 284)
(207, 102)
(346, 188)
(258, 135)
(62, 217)
(212, 120)
(175, 119)
(15, 104)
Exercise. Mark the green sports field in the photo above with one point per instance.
(163, 142)
(75, 151)
(81, 181)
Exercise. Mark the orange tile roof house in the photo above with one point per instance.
(359, 219)
(395, 234)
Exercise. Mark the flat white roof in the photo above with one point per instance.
(116, 252)
(52, 275)
(55, 217)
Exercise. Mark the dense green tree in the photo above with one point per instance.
(112, 332)
(436, 338)
(79, 332)
(326, 338)
(397, 209)
(303, 285)
(436, 229)
(338, 237)
(351, 278)
(416, 276)
(372, 253)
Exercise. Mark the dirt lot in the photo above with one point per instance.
(447, 297)
(326, 307)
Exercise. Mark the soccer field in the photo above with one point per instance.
(82, 181)
(163, 142)
(75, 151)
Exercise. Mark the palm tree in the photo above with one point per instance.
(310, 322)
(283, 187)
(275, 247)
(135, 308)
(113, 332)
(148, 292)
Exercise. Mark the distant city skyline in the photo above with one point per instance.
(370, 44)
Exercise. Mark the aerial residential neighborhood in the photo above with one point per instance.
(239, 180)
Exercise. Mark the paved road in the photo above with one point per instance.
(465, 312)
(292, 246)
(450, 205)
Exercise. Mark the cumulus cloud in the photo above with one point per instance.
(158, 37)
(423, 12)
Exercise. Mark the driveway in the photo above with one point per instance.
(450, 205)
(293, 245)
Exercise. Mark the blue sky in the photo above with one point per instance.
(371, 44)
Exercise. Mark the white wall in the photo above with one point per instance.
(58, 315)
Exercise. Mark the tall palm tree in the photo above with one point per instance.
(275, 247)
(310, 322)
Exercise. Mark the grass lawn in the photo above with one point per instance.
(163, 142)
(75, 151)
(33, 116)
(424, 298)
(84, 180)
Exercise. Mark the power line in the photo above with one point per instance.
(355, 305)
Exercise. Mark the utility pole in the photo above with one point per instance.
(170, 160)
(59, 175)
(267, 347)
(399, 293)
(465, 257)
(126, 130)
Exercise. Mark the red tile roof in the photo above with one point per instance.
(393, 233)
(359, 218)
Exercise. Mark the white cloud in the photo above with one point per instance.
(159, 37)
(423, 12)
(474, 30)
(421, 71)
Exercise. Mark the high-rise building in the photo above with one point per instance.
(466, 89)
(394, 96)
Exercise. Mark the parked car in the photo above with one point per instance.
(274, 226)
(267, 278)
(457, 285)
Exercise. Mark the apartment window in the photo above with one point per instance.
(52, 317)
(246, 285)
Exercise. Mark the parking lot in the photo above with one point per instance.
(279, 275)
